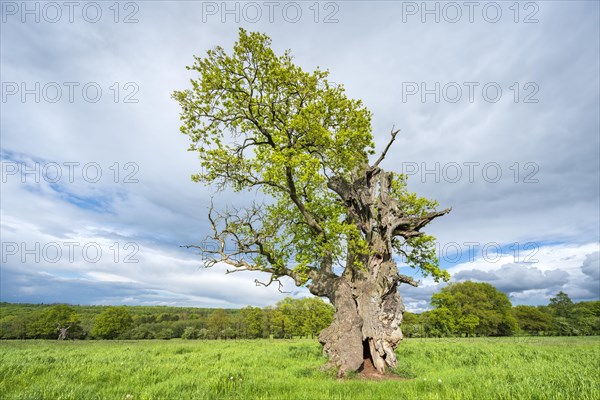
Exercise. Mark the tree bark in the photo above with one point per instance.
(367, 319)
(343, 340)
(368, 306)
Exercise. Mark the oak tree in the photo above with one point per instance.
(475, 307)
(59, 321)
(561, 304)
(217, 323)
(332, 219)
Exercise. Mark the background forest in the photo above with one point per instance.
(460, 309)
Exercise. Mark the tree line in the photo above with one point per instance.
(459, 309)
(289, 318)
(479, 309)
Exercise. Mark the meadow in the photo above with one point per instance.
(502, 368)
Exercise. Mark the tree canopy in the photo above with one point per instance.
(561, 304)
(259, 122)
(112, 322)
(472, 308)
(53, 319)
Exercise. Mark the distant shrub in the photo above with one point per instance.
(140, 332)
(203, 333)
(165, 334)
(190, 333)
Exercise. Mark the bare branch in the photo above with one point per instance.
(239, 230)
(382, 156)
(409, 226)
(231, 271)
(312, 223)
(271, 280)
(407, 279)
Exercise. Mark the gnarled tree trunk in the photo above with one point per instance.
(367, 320)
(368, 306)
(366, 327)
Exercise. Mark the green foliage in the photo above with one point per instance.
(561, 304)
(468, 324)
(574, 319)
(290, 318)
(141, 332)
(284, 113)
(412, 327)
(585, 318)
(217, 322)
(165, 334)
(203, 333)
(259, 122)
(191, 333)
(532, 320)
(420, 252)
(310, 316)
(285, 125)
(59, 316)
(471, 307)
(293, 317)
(112, 323)
(470, 310)
(253, 322)
(410, 202)
(442, 322)
(316, 315)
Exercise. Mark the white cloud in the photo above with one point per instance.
(570, 268)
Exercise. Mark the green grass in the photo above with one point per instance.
(507, 368)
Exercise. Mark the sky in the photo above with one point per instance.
(498, 105)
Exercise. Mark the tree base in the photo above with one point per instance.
(364, 333)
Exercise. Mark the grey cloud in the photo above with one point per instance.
(591, 269)
(591, 266)
(417, 299)
(517, 277)
(32, 286)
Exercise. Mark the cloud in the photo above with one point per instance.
(418, 299)
(373, 54)
(591, 281)
(556, 267)
(591, 266)
(512, 278)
